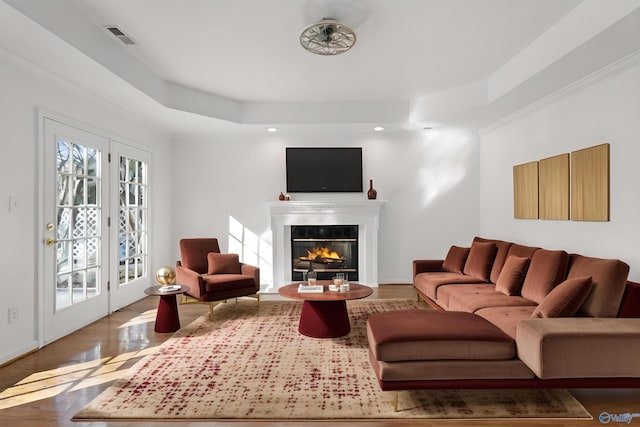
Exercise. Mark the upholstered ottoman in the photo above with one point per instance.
(411, 348)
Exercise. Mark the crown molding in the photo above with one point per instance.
(602, 74)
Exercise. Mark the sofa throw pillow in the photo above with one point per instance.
(547, 269)
(565, 299)
(455, 260)
(512, 275)
(223, 263)
(480, 260)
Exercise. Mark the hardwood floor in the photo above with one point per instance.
(47, 387)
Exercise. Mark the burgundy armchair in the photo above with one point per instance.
(214, 277)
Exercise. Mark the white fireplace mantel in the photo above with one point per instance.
(363, 213)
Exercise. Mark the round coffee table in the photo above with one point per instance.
(167, 319)
(324, 314)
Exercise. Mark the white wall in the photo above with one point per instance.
(604, 111)
(429, 180)
(22, 94)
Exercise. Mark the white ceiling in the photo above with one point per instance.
(248, 50)
(238, 63)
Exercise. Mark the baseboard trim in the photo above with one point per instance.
(24, 351)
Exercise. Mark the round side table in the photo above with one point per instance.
(167, 319)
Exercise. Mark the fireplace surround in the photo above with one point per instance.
(361, 213)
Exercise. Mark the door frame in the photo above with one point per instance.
(42, 114)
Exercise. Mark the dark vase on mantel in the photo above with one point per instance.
(372, 193)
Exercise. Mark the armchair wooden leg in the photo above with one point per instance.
(395, 401)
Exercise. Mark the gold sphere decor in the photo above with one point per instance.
(166, 275)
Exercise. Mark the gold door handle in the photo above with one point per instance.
(49, 241)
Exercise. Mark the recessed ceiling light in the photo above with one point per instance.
(272, 130)
(378, 128)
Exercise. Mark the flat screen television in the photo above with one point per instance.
(324, 169)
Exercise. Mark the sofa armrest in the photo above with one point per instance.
(190, 278)
(253, 271)
(584, 347)
(426, 265)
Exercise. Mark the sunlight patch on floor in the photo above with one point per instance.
(50, 383)
(146, 317)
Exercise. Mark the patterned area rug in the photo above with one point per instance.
(252, 363)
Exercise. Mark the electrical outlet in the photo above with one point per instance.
(13, 314)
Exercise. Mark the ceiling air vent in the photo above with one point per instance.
(120, 35)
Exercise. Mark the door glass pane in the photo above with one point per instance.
(63, 165)
(63, 291)
(132, 221)
(78, 191)
(78, 159)
(92, 162)
(64, 223)
(64, 190)
(92, 222)
(63, 256)
(92, 282)
(79, 253)
(92, 252)
(92, 191)
(78, 262)
(132, 194)
(78, 285)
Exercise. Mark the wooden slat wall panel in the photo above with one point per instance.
(525, 191)
(590, 184)
(554, 187)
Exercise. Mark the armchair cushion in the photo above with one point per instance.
(223, 263)
(227, 282)
(193, 253)
(455, 260)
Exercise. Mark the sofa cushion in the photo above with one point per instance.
(547, 269)
(512, 275)
(223, 263)
(609, 277)
(630, 305)
(480, 260)
(455, 260)
(436, 335)
(428, 283)
(570, 347)
(522, 251)
(507, 318)
(227, 282)
(501, 256)
(565, 299)
(471, 298)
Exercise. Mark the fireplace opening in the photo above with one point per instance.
(326, 249)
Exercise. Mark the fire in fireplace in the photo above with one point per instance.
(326, 249)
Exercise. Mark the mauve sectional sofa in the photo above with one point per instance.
(512, 316)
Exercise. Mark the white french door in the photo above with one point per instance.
(76, 237)
(130, 224)
(96, 227)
